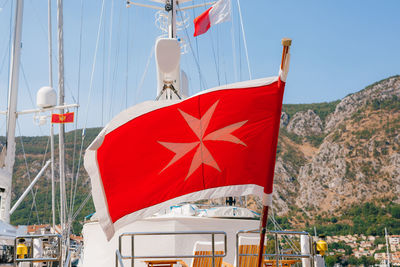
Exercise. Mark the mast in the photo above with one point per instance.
(62, 128)
(53, 193)
(170, 6)
(12, 111)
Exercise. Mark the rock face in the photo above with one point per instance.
(323, 175)
(351, 103)
(356, 158)
(305, 123)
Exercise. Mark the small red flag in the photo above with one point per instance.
(221, 142)
(62, 118)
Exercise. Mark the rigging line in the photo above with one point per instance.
(240, 52)
(127, 61)
(27, 171)
(110, 29)
(77, 175)
(4, 4)
(139, 88)
(197, 48)
(244, 39)
(26, 84)
(42, 27)
(194, 56)
(234, 46)
(214, 57)
(29, 90)
(94, 66)
(89, 95)
(72, 219)
(9, 49)
(103, 76)
(77, 110)
(287, 238)
(47, 187)
(116, 63)
(3, 62)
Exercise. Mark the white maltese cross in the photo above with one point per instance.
(199, 127)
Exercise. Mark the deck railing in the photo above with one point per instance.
(277, 255)
(119, 257)
(56, 257)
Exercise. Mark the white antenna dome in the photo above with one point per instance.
(46, 97)
(168, 55)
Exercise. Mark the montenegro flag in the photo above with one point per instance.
(62, 118)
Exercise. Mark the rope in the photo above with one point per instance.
(116, 64)
(28, 174)
(234, 47)
(244, 39)
(277, 226)
(197, 48)
(47, 188)
(4, 4)
(29, 92)
(87, 110)
(77, 110)
(110, 45)
(72, 218)
(127, 62)
(94, 65)
(194, 56)
(138, 89)
(214, 57)
(103, 76)
(9, 46)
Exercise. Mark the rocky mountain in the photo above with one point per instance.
(331, 156)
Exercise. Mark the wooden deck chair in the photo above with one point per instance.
(205, 248)
(249, 245)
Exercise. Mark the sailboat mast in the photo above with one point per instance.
(12, 110)
(53, 193)
(61, 102)
(171, 8)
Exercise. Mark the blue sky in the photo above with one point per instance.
(339, 47)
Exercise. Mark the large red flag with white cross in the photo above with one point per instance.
(221, 142)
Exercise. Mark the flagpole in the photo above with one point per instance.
(286, 42)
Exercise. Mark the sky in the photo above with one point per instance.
(339, 47)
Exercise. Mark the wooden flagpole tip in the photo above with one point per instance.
(286, 42)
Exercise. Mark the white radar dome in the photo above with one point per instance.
(46, 97)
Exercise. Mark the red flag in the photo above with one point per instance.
(219, 12)
(221, 142)
(62, 118)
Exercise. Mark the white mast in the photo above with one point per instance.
(62, 129)
(12, 113)
(53, 193)
(171, 8)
